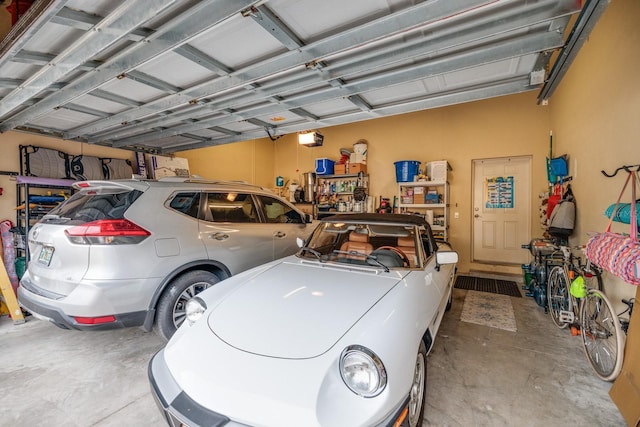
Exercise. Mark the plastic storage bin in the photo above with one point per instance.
(324, 166)
(406, 170)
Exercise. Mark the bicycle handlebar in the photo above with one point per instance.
(626, 168)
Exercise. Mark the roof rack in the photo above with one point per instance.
(199, 180)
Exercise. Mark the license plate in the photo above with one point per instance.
(45, 255)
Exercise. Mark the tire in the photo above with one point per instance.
(558, 295)
(418, 388)
(170, 312)
(602, 335)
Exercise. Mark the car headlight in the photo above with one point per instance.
(194, 309)
(362, 371)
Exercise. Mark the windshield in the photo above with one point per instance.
(384, 246)
(87, 206)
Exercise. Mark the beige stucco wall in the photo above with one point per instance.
(595, 115)
(250, 161)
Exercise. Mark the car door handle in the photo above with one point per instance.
(279, 234)
(220, 236)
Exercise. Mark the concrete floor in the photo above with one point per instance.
(478, 376)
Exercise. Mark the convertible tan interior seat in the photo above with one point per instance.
(408, 246)
(358, 242)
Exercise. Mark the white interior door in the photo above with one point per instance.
(501, 209)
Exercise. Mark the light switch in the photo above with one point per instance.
(456, 215)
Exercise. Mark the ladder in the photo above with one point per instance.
(9, 296)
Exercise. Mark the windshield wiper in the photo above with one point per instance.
(313, 251)
(56, 217)
(363, 255)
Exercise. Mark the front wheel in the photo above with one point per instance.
(602, 335)
(171, 307)
(558, 295)
(418, 388)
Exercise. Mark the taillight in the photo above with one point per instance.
(95, 320)
(107, 232)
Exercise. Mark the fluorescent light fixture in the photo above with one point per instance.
(310, 139)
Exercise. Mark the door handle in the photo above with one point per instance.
(476, 216)
(220, 236)
(279, 234)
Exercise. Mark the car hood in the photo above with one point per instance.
(297, 309)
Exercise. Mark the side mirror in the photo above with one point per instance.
(445, 257)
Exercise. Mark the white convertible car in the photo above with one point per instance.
(336, 335)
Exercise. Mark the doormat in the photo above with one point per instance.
(481, 284)
(495, 311)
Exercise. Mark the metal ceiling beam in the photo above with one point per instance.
(33, 58)
(103, 94)
(202, 16)
(458, 34)
(528, 44)
(76, 19)
(151, 81)
(511, 86)
(37, 58)
(85, 21)
(83, 109)
(200, 58)
(31, 23)
(10, 83)
(587, 19)
(392, 24)
(274, 26)
(119, 23)
(225, 131)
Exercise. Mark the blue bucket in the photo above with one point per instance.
(406, 170)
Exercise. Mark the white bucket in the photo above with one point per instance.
(360, 148)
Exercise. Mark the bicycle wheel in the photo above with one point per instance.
(602, 336)
(592, 277)
(558, 295)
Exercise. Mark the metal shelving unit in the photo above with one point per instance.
(28, 215)
(428, 198)
(337, 194)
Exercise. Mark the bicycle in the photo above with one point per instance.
(576, 298)
(624, 320)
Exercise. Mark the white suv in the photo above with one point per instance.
(133, 252)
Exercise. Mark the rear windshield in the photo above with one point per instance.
(86, 207)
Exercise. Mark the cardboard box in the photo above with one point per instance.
(418, 198)
(357, 167)
(625, 391)
(339, 169)
(165, 166)
(358, 158)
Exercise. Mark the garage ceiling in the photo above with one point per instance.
(165, 75)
